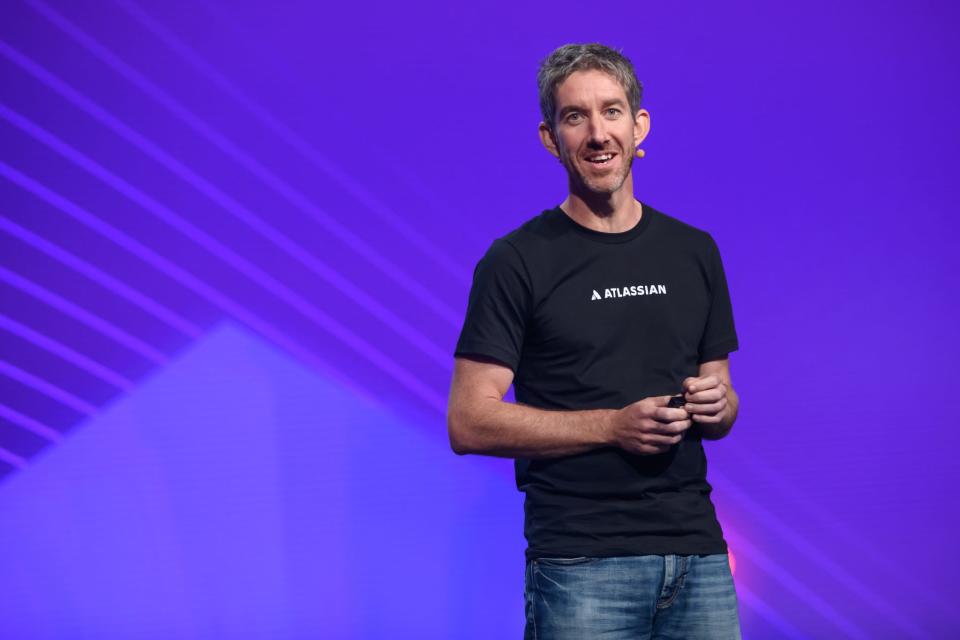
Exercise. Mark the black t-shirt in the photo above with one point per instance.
(594, 320)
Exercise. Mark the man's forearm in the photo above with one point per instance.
(508, 430)
(717, 430)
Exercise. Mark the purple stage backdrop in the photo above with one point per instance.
(237, 241)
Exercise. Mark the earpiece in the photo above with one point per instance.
(641, 153)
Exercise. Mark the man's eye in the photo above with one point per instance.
(572, 116)
(615, 112)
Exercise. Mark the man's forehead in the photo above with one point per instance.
(587, 86)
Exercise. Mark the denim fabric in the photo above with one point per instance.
(650, 597)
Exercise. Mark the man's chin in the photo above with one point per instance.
(604, 188)
(591, 185)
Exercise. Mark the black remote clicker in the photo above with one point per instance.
(677, 402)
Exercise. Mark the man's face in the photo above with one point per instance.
(594, 135)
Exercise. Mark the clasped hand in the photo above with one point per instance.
(706, 399)
(649, 426)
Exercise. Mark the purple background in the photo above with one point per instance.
(236, 248)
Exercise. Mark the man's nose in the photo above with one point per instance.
(598, 130)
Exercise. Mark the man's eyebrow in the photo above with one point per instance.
(606, 103)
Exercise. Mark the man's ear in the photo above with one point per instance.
(549, 142)
(641, 126)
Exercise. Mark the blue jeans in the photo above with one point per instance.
(650, 597)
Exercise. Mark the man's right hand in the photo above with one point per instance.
(649, 426)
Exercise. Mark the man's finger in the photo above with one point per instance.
(680, 426)
(712, 419)
(709, 408)
(708, 395)
(669, 414)
(672, 428)
(700, 384)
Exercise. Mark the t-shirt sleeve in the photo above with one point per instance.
(719, 335)
(500, 300)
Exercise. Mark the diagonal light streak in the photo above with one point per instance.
(64, 352)
(229, 256)
(768, 613)
(285, 133)
(208, 242)
(47, 388)
(411, 382)
(26, 422)
(347, 287)
(246, 160)
(819, 603)
(12, 459)
(801, 544)
(836, 528)
(117, 286)
(85, 317)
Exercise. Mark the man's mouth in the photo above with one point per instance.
(600, 159)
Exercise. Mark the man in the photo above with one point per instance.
(598, 311)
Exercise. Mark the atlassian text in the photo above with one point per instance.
(632, 290)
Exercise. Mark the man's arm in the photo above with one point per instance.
(711, 400)
(479, 421)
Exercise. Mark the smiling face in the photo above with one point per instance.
(594, 135)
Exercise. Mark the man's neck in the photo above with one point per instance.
(610, 213)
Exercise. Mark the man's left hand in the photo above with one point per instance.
(706, 399)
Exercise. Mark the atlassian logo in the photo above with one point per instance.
(632, 290)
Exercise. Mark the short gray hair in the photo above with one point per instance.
(569, 58)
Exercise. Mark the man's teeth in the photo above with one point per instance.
(603, 158)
